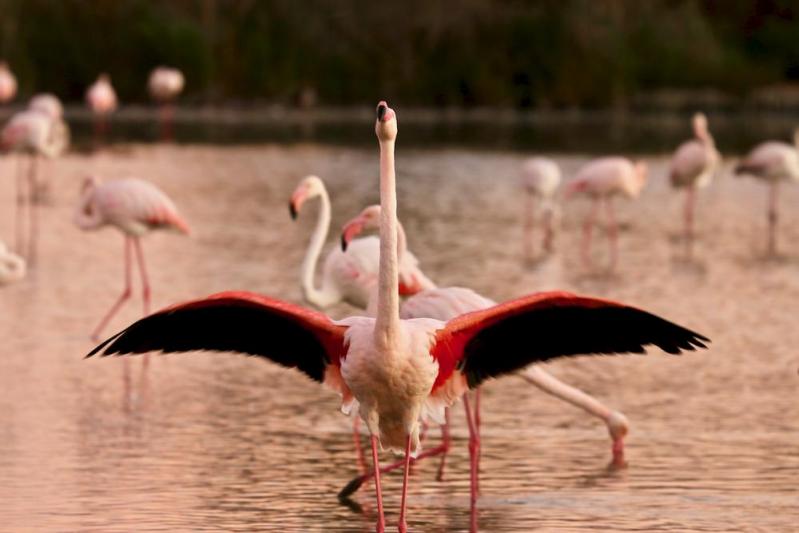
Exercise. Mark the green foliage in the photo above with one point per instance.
(562, 53)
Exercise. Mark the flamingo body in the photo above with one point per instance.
(609, 176)
(8, 83)
(541, 176)
(771, 161)
(165, 83)
(49, 104)
(101, 97)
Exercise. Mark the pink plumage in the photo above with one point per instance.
(8, 83)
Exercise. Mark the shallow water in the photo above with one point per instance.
(224, 442)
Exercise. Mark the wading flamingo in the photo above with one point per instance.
(102, 100)
(398, 370)
(772, 162)
(165, 84)
(446, 303)
(540, 180)
(692, 167)
(350, 276)
(135, 207)
(602, 179)
(12, 266)
(37, 131)
(8, 83)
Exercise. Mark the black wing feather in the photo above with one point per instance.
(225, 325)
(517, 341)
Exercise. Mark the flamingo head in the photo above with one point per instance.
(618, 427)
(699, 122)
(386, 123)
(369, 218)
(309, 187)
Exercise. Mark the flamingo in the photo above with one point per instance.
(446, 303)
(349, 276)
(8, 83)
(135, 207)
(540, 180)
(37, 131)
(102, 99)
(165, 84)
(12, 266)
(692, 167)
(397, 370)
(602, 179)
(772, 162)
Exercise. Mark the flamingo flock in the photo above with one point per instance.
(413, 349)
(395, 371)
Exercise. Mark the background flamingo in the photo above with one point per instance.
(34, 132)
(165, 84)
(12, 266)
(8, 83)
(772, 162)
(135, 207)
(602, 179)
(692, 167)
(397, 369)
(447, 303)
(349, 276)
(102, 99)
(540, 180)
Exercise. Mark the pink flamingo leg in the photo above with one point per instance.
(772, 218)
(167, 113)
(356, 437)
(33, 212)
(690, 198)
(20, 214)
(529, 205)
(618, 453)
(122, 298)
(474, 452)
(613, 234)
(445, 443)
(549, 230)
(145, 283)
(403, 525)
(589, 223)
(381, 519)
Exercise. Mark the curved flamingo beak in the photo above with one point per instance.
(384, 113)
(298, 197)
(351, 229)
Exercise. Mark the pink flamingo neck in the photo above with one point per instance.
(387, 320)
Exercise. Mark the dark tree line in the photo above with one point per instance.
(550, 53)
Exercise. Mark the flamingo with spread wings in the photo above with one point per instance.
(391, 368)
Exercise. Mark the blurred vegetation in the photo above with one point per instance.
(547, 53)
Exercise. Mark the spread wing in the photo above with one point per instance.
(542, 326)
(243, 322)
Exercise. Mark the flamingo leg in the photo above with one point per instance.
(356, 437)
(772, 217)
(477, 424)
(690, 198)
(167, 113)
(145, 283)
(474, 452)
(618, 452)
(122, 298)
(33, 212)
(356, 482)
(20, 214)
(549, 228)
(613, 233)
(403, 524)
(589, 223)
(381, 519)
(528, 224)
(445, 443)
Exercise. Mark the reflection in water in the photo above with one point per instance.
(219, 442)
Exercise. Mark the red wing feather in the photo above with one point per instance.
(542, 326)
(244, 322)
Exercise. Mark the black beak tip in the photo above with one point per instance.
(292, 211)
(343, 244)
(381, 111)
